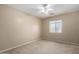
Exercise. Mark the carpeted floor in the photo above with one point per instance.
(45, 47)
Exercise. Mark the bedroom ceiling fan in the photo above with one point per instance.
(46, 9)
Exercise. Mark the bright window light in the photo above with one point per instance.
(55, 26)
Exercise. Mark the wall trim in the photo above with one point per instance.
(68, 43)
(63, 42)
(24, 43)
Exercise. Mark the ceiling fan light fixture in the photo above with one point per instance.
(45, 9)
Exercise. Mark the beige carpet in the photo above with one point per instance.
(45, 47)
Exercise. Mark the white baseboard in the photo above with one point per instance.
(17, 46)
(67, 43)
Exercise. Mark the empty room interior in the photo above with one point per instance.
(39, 28)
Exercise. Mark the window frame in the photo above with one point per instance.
(55, 22)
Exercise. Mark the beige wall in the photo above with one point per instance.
(17, 27)
(70, 30)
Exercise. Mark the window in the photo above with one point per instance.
(55, 26)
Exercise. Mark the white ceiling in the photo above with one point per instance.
(33, 9)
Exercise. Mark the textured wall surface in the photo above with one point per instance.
(17, 27)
